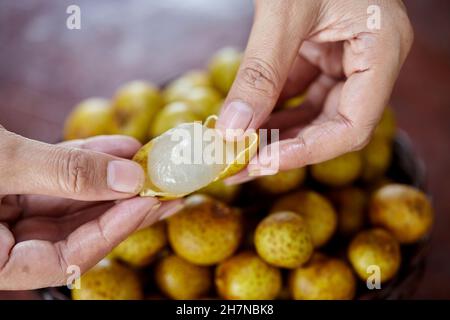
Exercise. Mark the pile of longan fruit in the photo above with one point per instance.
(308, 233)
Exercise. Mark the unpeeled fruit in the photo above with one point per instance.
(181, 280)
(375, 248)
(340, 171)
(89, 118)
(283, 240)
(221, 191)
(316, 210)
(351, 204)
(376, 157)
(177, 89)
(387, 125)
(140, 248)
(204, 101)
(109, 280)
(171, 116)
(175, 166)
(134, 107)
(223, 68)
(322, 278)
(246, 276)
(205, 231)
(403, 210)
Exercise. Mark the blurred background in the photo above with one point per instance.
(45, 69)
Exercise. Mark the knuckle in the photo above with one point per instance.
(260, 76)
(75, 170)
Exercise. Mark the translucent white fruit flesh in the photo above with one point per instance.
(190, 157)
(178, 162)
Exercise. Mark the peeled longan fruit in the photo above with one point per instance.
(386, 127)
(318, 213)
(283, 181)
(246, 276)
(89, 118)
(221, 191)
(340, 171)
(134, 107)
(322, 278)
(205, 231)
(351, 204)
(172, 115)
(402, 210)
(177, 89)
(377, 157)
(223, 68)
(139, 249)
(182, 280)
(283, 240)
(109, 280)
(375, 247)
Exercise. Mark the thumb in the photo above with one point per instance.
(32, 167)
(274, 42)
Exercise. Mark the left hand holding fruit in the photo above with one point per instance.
(53, 212)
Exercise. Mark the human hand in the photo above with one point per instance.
(55, 209)
(326, 47)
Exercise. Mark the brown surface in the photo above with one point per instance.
(45, 69)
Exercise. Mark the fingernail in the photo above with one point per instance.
(170, 211)
(125, 176)
(237, 115)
